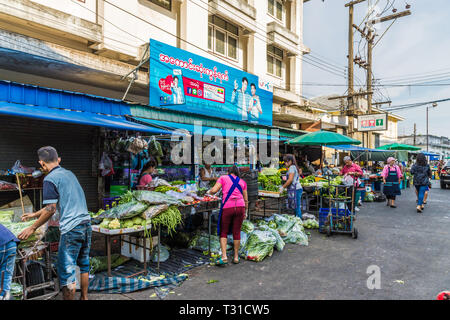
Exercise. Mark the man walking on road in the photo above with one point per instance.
(61, 187)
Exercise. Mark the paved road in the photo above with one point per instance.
(412, 251)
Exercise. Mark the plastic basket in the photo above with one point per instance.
(323, 214)
(109, 202)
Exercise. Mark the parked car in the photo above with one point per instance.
(444, 175)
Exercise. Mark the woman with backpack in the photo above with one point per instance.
(421, 177)
(232, 211)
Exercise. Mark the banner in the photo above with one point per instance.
(183, 81)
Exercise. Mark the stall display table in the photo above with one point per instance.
(109, 234)
(269, 201)
(25, 255)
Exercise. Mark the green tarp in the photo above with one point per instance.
(379, 156)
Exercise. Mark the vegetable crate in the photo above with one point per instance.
(337, 221)
(109, 202)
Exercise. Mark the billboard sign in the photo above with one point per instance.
(373, 122)
(183, 81)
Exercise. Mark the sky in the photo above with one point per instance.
(414, 46)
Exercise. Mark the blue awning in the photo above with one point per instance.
(76, 117)
(429, 154)
(212, 131)
(348, 147)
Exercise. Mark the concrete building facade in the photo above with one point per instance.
(89, 45)
(436, 144)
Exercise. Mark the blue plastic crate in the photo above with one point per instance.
(323, 214)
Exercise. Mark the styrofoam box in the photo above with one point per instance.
(135, 252)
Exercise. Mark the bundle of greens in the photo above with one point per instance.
(126, 197)
(279, 245)
(169, 218)
(296, 235)
(164, 189)
(18, 227)
(99, 264)
(259, 245)
(247, 226)
(6, 216)
(200, 242)
(124, 211)
(307, 181)
(177, 182)
(270, 182)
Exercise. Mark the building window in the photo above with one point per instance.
(275, 9)
(223, 37)
(166, 4)
(274, 61)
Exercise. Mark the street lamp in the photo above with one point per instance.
(434, 105)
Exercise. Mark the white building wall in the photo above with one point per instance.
(86, 11)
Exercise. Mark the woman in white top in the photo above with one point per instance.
(206, 175)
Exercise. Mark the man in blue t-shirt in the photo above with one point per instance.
(62, 191)
(8, 248)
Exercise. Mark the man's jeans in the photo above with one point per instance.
(7, 262)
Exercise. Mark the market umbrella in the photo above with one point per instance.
(323, 138)
(399, 146)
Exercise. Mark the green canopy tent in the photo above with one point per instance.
(399, 146)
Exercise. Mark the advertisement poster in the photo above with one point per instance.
(183, 81)
(373, 122)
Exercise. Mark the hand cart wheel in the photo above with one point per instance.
(354, 233)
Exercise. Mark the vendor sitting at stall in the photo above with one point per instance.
(8, 246)
(206, 176)
(353, 170)
(146, 173)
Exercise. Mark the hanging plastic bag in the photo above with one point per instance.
(106, 165)
(19, 168)
(348, 180)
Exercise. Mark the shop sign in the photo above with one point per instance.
(183, 81)
(373, 122)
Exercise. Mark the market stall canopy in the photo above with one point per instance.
(323, 138)
(348, 147)
(399, 146)
(213, 131)
(76, 117)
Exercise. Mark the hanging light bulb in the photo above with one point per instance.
(408, 6)
(394, 10)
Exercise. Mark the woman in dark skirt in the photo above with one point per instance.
(392, 176)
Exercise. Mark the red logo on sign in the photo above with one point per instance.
(164, 84)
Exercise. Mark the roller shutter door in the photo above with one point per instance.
(20, 138)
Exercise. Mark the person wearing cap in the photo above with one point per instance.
(392, 176)
(62, 191)
(354, 170)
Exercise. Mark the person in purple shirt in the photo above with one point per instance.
(8, 247)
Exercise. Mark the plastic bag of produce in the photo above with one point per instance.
(247, 226)
(18, 227)
(99, 264)
(296, 236)
(284, 224)
(163, 254)
(124, 211)
(154, 210)
(152, 197)
(311, 224)
(259, 245)
(279, 245)
(200, 242)
(7, 185)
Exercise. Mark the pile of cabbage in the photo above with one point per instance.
(259, 239)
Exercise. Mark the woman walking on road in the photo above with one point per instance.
(421, 177)
(232, 212)
(392, 176)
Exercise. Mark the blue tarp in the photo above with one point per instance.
(207, 130)
(347, 147)
(76, 117)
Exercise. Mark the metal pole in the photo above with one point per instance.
(427, 129)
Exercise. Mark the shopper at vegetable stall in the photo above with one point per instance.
(8, 247)
(206, 176)
(62, 190)
(392, 176)
(232, 211)
(145, 176)
(353, 171)
(421, 177)
(292, 184)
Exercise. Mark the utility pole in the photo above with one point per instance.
(415, 132)
(350, 101)
(370, 38)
